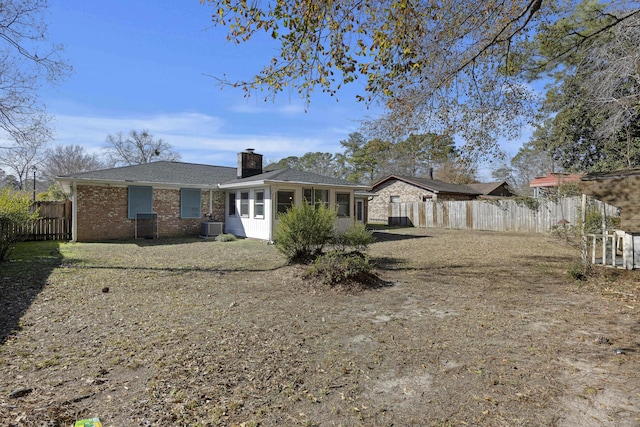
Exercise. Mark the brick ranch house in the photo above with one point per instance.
(106, 204)
(403, 189)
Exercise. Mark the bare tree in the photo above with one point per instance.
(68, 159)
(23, 156)
(138, 148)
(27, 60)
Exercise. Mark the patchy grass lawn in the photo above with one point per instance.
(472, 329)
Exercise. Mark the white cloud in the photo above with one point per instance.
(199, 138)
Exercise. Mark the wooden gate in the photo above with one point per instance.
(54, 222)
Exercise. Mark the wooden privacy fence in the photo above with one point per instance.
(492, 215)
(54, 222)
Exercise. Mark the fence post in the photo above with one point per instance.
(583, 223)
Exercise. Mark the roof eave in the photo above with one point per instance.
(246, 184)
(243, 184)
(322, 184)
(70, 181)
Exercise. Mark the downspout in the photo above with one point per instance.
(272, 212)
(74, 212)
(210, 202)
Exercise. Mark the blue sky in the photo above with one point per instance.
(148, 64)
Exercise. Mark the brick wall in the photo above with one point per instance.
(102, 213)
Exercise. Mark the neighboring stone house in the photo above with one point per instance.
(402, 189)
(177, 197)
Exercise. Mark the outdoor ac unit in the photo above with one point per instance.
(211, 229)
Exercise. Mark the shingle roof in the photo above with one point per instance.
(165, 172)
(294, 176)
(433, 185)
(554, 179)
(486, 187)
(161, 172)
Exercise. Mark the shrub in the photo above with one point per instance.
(303, 231)
(573, 234)
(578, 271)
(336, 267)
(593, 220)
(356, 237)
(227, 237)
(15, 215)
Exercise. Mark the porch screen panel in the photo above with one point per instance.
(140, 200)
(285, 201)
(343, 202)
(190, 203)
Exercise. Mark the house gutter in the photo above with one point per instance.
(256, 183)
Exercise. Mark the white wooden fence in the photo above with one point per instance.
(493, 215)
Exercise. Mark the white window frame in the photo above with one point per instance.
(258, 204)
(244, 204)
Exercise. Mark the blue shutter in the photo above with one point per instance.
(190, 203)
(140, 200)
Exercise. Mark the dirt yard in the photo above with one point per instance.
(470, 329)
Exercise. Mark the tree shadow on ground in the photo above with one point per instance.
(388, 263)
(192, 269)
(383, 236)
(22, 278)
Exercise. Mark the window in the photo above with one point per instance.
(359, 210)
(232, 204)
(343, 201)
(190, 203)
(285, 201)
(258, 204)
(395, 199)
(244, 203)
(316, 197)
(140, 200)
